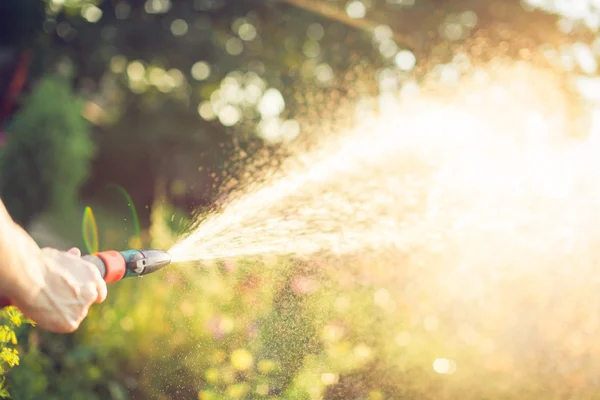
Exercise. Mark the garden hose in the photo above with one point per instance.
(116, 265)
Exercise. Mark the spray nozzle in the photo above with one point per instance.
(116, 265)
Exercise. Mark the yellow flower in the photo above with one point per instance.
(375, 395)
(238, 390)
(211, 375)
(207, 395)
(219, 356)
(262, 389)
(15, 316)
(266, 366)
(242, 360)
(10, 356)
(7, 335)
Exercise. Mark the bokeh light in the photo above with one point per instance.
(229, 115)
(234, 46)
(311, 48)
(179, 27)
(157, 6)
(405, 60)
(356, 9)
(271, 104)
(91, 13)
(247, 31)
(201, 70)
(444, 366)
(315, 31)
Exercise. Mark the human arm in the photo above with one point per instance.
(52, 288)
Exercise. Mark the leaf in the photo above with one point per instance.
(90, 231)
(117, 392)
(3, 390)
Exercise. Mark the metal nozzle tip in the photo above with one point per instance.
(155, 260)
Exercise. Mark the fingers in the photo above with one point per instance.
(88, 293)
(102, 291)
(74, 318)
(89, 284)
(75, 251)
(100, 284)
(61, 320)
(70, 287)
(67, 327)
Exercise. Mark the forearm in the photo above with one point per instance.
(14, 243)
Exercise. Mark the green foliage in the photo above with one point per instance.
(47, 156)
(58, 367)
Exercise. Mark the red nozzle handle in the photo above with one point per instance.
(110, 264)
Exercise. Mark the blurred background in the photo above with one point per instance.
(119, 119)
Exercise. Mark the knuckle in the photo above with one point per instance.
(72, 327)
(89, 293)
(102, 296)
(68, 326)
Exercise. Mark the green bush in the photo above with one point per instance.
(47, 155)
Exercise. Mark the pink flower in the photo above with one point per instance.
(304, 285)
(214, 326)
(252, 330)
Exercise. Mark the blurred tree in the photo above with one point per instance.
(46, 158)
(155, 74)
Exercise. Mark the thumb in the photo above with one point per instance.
(75, 251)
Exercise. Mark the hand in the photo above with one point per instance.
(55, 289)
(70, 286)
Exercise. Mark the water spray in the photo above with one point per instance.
(117, 265)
